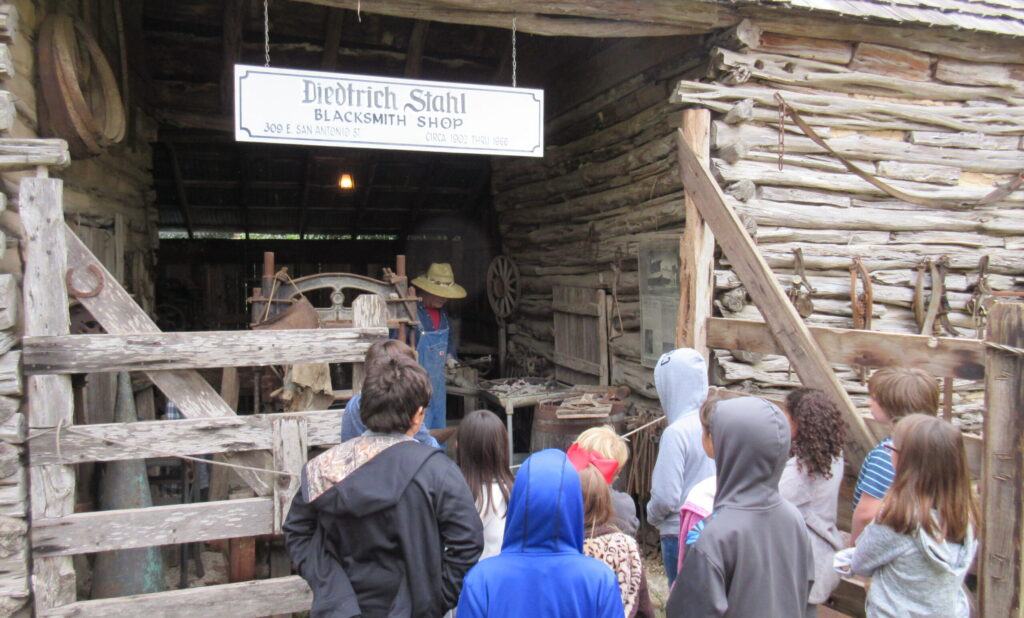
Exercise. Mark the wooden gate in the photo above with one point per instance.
(57, 264)
(581, 335)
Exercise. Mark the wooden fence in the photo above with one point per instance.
(57, 263)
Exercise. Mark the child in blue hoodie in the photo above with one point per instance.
(541, 570)
(681, 378)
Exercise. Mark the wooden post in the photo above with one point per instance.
(400, 272)
(367, 310)
(696, 248)
(50, 398)
(1002, 513)
(290, 445)
(789, 330)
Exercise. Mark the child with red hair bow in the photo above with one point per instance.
(610, 447)
(602, 539)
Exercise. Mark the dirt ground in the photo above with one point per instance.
(656, 582)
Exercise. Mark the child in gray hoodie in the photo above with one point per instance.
(681, 378)
(918, 549)
(752, 555)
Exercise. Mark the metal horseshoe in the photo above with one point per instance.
(96, 272)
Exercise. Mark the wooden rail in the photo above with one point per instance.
(281, 595)
(940, 356)
(195, 350)
(84, 533)
(229, 434)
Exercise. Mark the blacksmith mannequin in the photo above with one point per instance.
(434, 343)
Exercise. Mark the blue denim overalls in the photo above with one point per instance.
(433, 348)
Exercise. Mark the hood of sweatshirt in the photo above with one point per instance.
(681, 378)
(364, 475)
(954, 558)
(751, 438)
(545, 510)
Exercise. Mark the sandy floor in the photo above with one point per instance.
(656, 583)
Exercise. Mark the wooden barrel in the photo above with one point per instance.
(549, 431)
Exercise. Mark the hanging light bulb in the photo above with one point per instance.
(345, 182)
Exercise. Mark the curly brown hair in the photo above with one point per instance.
(820, 430)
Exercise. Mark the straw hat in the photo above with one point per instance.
(440, 281)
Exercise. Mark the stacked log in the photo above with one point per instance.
(934, 127)
(931, 126)
(576, 217)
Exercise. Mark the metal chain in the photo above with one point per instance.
(513, 51)
(266, 33)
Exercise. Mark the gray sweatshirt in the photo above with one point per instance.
(681, 377)
(913, 575)
(753, 557)
(817, 499)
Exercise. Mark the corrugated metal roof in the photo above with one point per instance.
(996, 16)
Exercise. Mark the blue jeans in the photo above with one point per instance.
(670, 554)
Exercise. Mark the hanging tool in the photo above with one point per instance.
(976, 304)
(801, 289)
(862, 304)
(918, 305)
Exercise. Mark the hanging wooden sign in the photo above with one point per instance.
(287, 106)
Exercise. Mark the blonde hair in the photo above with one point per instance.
(931, 474)
(900, 391)
(606, 443)
(597, 498)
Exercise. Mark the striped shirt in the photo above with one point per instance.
(876, 474)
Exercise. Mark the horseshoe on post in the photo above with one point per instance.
(96, 272)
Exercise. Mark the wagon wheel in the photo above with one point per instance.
(503, 286)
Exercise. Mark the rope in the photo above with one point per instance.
(61, 428)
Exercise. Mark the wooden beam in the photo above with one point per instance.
(195, 350)
(146, 439)
(332, 38)
(789, 330)
(115, 310)
(50, 398)
(307, 181)
(696, 249)
(606, 19)
(1002, 536)
(290, 447)
(281, 595)
(84, 533)
(940, 356)
(179, 186)
(23, 154)
(235, 12)
(414, 54)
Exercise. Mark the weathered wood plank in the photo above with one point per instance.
(115, 310)
(231, 434)
(84, 533)
(954, 71)
(696, 249)
(18, 154)
(195, 350)
(806, 357)
(280, 595)
(50, 400)
(290, 452)
(965, 140)
(1002, 535)
(939, 356)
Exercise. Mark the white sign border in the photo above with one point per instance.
(243, 70)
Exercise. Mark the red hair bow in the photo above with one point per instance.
(581, 457)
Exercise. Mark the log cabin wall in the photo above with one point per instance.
(936, 127)
(609, 176)
(940, 127)
(108, 202)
